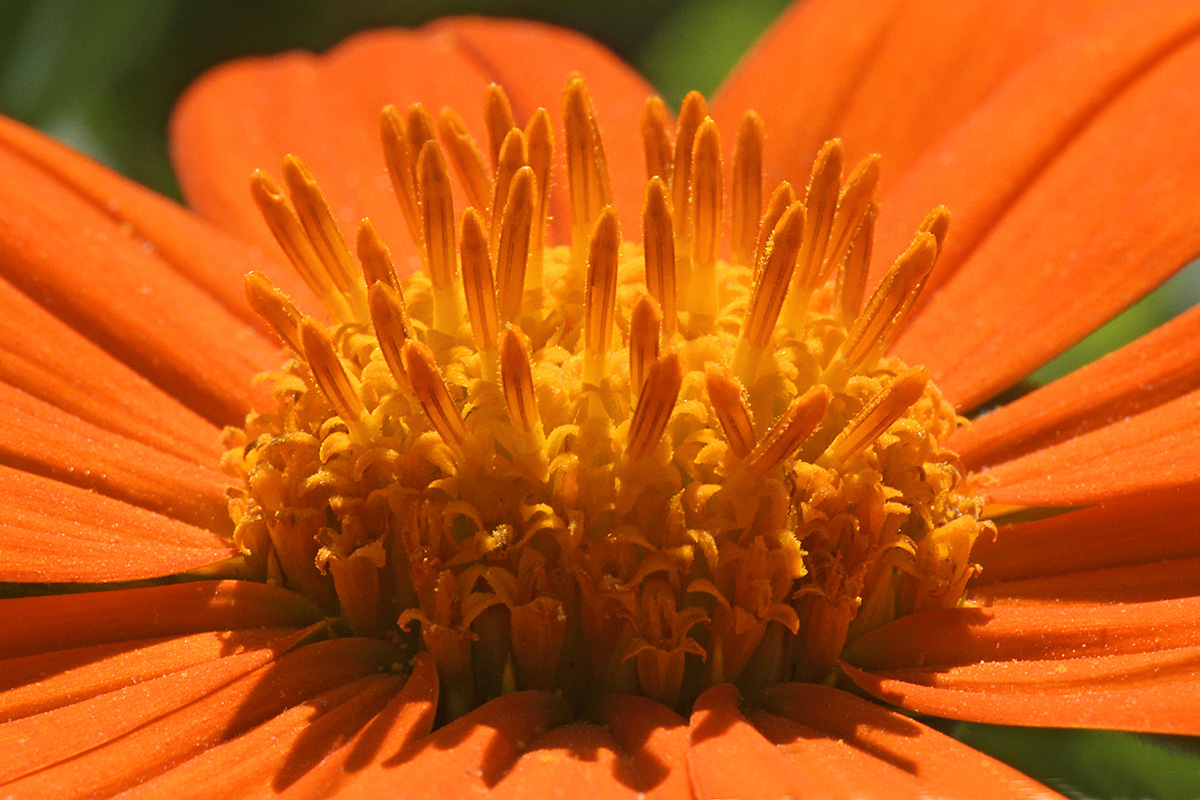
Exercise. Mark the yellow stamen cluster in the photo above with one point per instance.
(605, 466)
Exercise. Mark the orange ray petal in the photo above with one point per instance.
(1142, 529)
(33, 684)
(1145, 373)
(273, 756)
(872, 752)
(1137, 583)
(1153, 450)
(727, 757)
(653, 739)
(46, 358)
(59, 622)
(1106, 220)
(39, 438)
(55, 532)
(889, 76)
(85, 268)
(407, 718)
(1124, 666)
(202, 253)
(469, 755)
(570, 761)
(983, 165)
(184, 720)
(249, 114)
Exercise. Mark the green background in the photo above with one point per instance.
(102, 75)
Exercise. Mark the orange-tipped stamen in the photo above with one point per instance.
(516, 377)
(707, 195)
(539, 146)
(785, 437)
(420, 128)
(467, 159)
(512, 158)
(656, 139)
(746, 188)
(659, 248)
(330, 374)
(783, 196)
(498, 117)
(654, 406)
(728, 400)
(772, 280)
(275, 307)
(880, 412)
(820, 205)
(937, 222)
(512, 250)
(881, 321)
(851, 281)
(437, 212)
(587, 169)
(645, 329)
(692, 113)
(401, 164)
(373, 254)
(430, 391)
(392, 328)
(479, 287)
(856, 198)
(294, 242)
(600, 296)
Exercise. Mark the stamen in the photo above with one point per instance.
(747, 188)
(437, 211)
(392, 328)
(511, 159)
(851, 281)
(819, 205)
(275, 307)
(645, 327)
(656, 139)
(419, 128)
(691, 114)
(706, 197)
(323, 232)
(330, 374)
(290, 235)
(659, 248)
(876, 417)
(478, 287)
(587, 169)
(879, 324)
(539, 146)
(786, 436)
(937, 222)
(373, 255)
(856, 198)
(600, 295)
(771, 282)
(783, 196)
(401, 164)
(512, 253)
(516, 377)
(498, 117)
(467, 159)
(728, 401)
(430, 391)
(654, 406)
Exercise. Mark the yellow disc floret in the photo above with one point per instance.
(610, 465)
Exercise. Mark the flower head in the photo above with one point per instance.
(568, 471)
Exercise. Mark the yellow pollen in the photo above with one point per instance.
(601, 465)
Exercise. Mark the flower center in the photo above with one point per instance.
(609, 466)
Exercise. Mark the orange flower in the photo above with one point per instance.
(615, 517)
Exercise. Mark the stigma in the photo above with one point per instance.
(666, 453)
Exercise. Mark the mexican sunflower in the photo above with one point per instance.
(513, 433)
